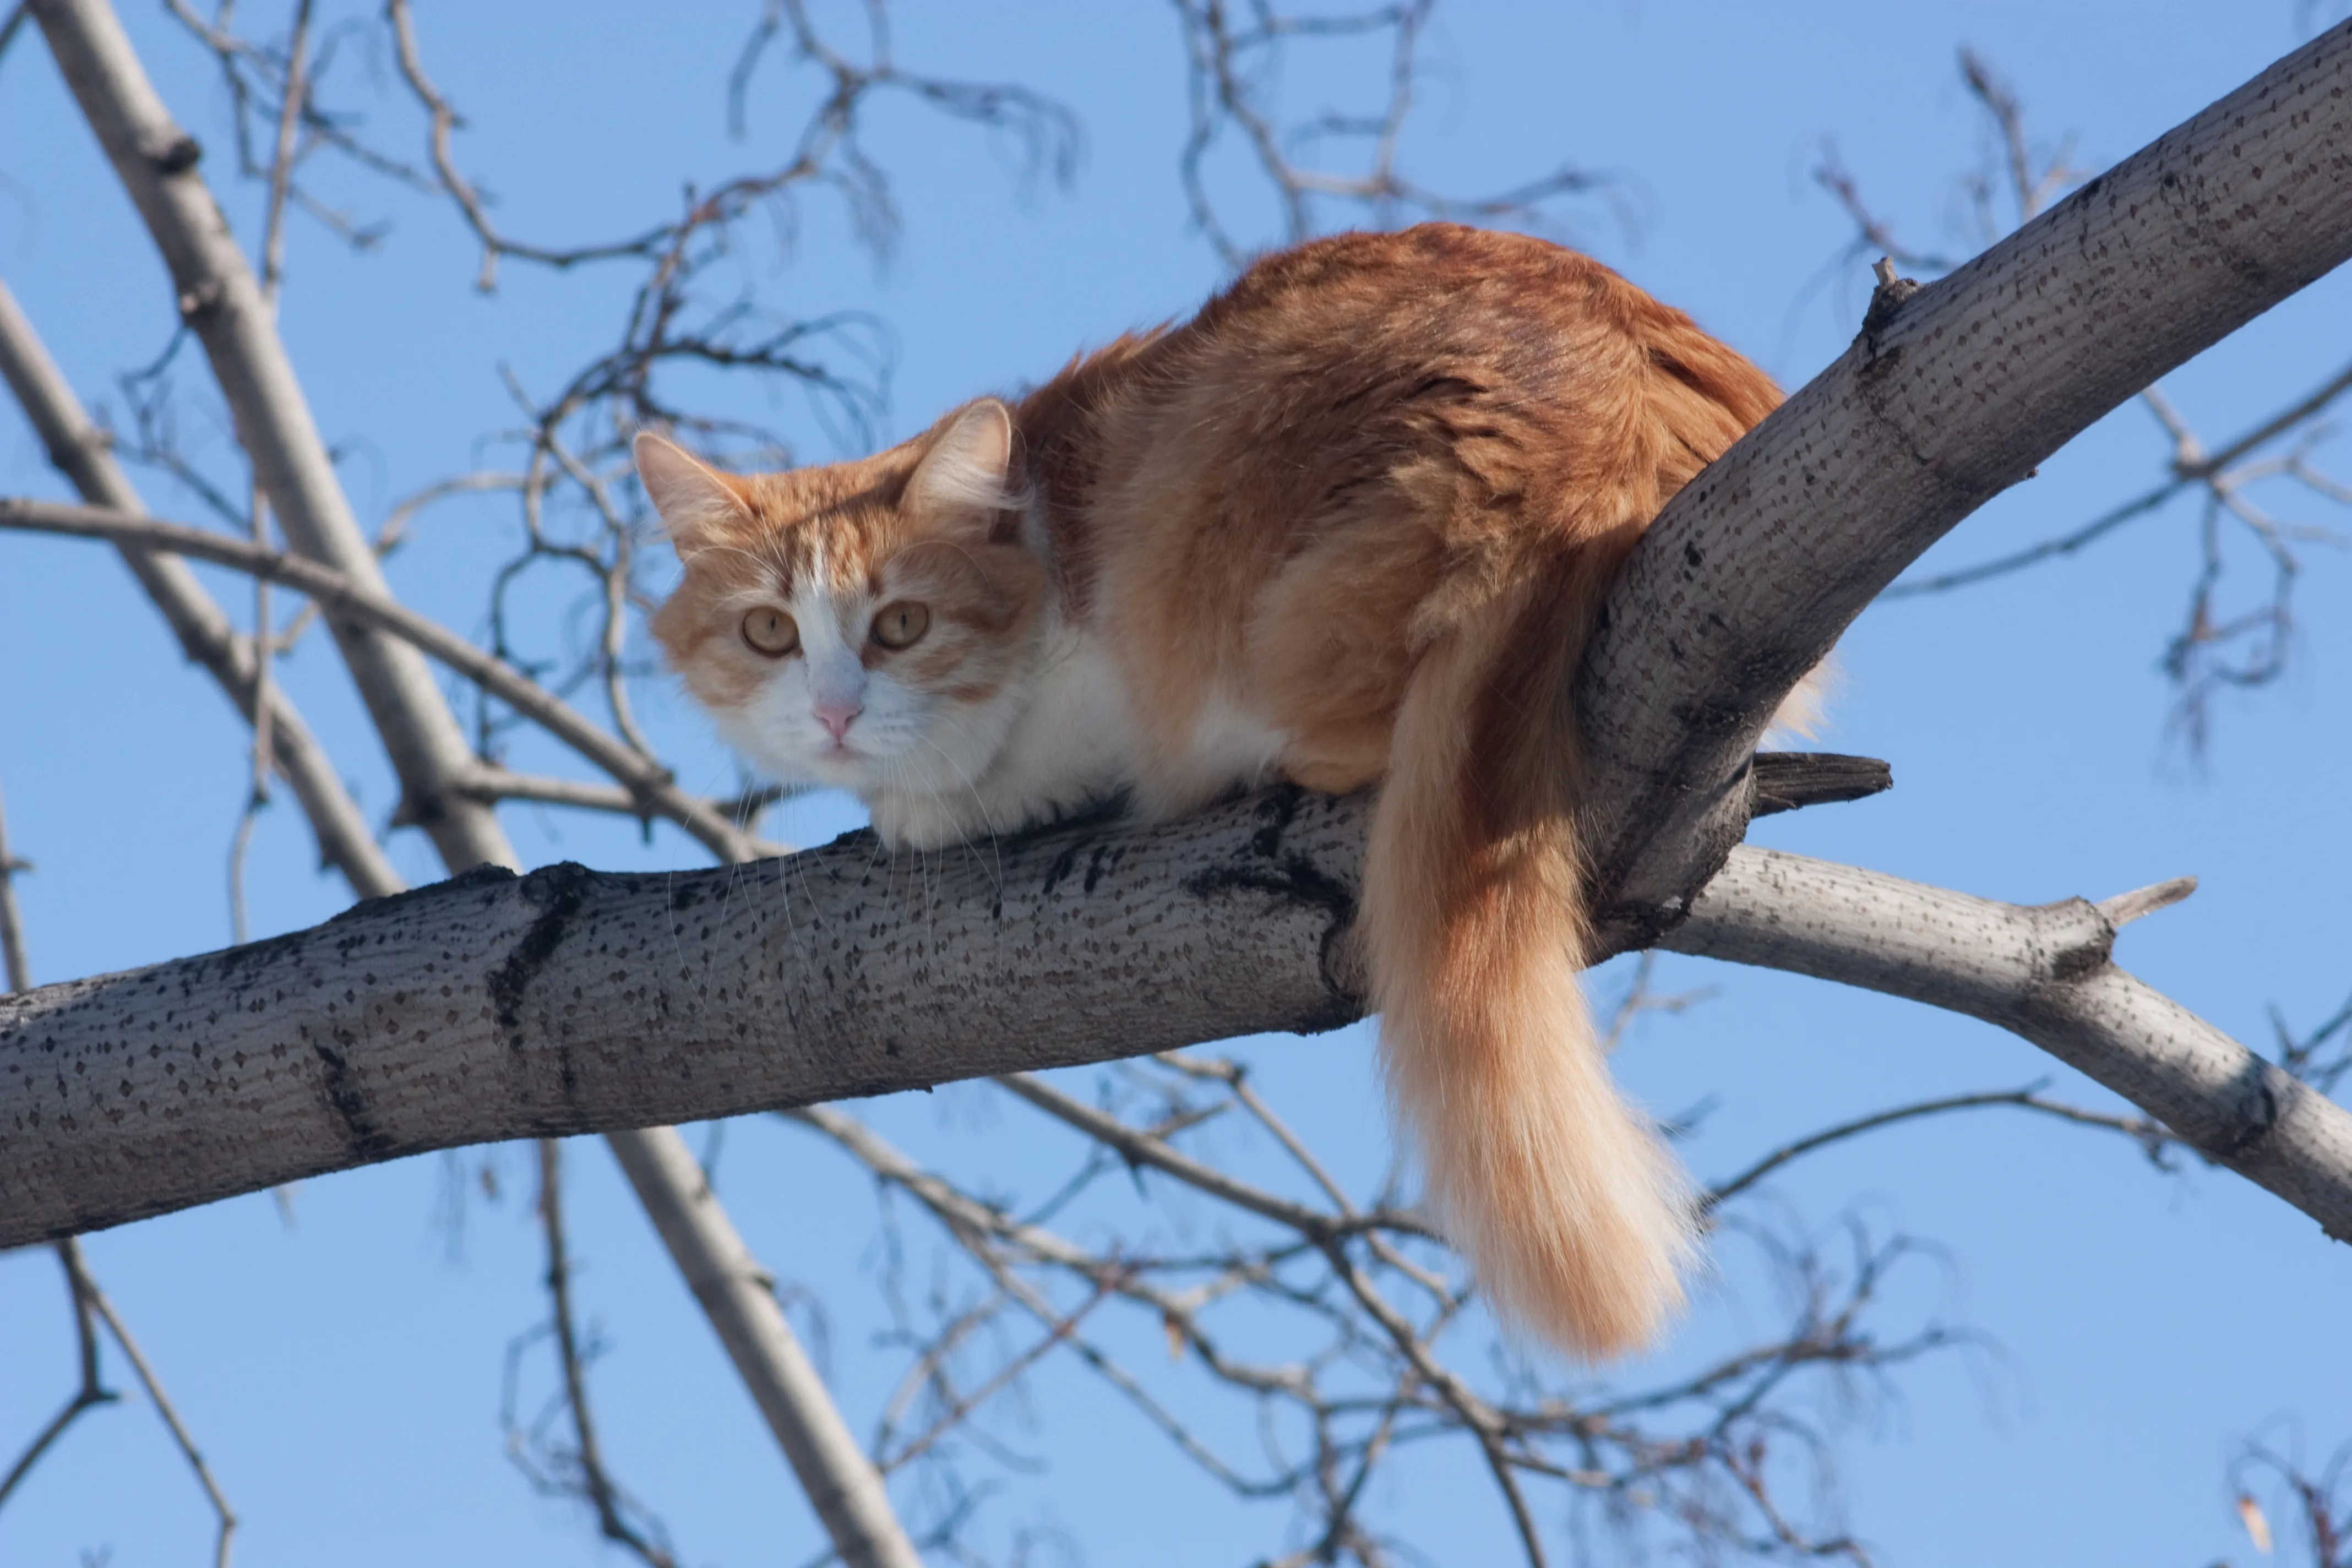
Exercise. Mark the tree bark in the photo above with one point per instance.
(1751, 572)
(2047, 975)
(571, 1001)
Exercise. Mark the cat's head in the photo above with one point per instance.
(870, 624)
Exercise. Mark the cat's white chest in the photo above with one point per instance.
(1071, 743)
(1077, 726)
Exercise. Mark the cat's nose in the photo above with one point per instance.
(836, 716)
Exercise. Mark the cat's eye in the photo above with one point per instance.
(901, 624)
(770, 632)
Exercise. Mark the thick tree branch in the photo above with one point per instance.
(570, 1001)
(1752, 572)
(2045, 974)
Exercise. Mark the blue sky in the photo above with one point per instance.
(344, 1372)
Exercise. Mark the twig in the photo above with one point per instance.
(281, 159)
(1143, 1149)
(661, 796)
(171, 1416)
(2091, 533)
(2301, 1056)
(587, 1476)
(2321, 1501)
(92, 1391)
(1233, 60)
(263, 750)
(14, 965)
(2152, 1136)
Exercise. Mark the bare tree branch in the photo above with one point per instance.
(2318, 1500)
(2152, 1136)
(2213, 648)
(578, 1470)
(739, 1298)
(1341, 1375)
(2303, 1058)
(90, 1309)
(1749, 574)
(91, 1392)
(2045, 974)
(1235, 50)
(571, 1001)
(14, 967)
(220, 299)
(181, 1438)
(82, 453)
(1146, 1150)
(647, 780)
(830, 139)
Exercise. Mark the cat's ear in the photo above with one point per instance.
(694, 498)
(967, 468)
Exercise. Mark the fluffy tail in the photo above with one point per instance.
(1574, 1216)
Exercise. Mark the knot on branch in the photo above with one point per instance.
(203, 301)
(415, 809)
(170, 151)
(1886, 302)
(2073, 940)
(2252, 1118)
(2081, 934)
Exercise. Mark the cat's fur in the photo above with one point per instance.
(1352, 523)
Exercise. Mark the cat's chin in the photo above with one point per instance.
(852, 771)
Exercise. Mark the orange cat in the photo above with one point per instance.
(1352, 523)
